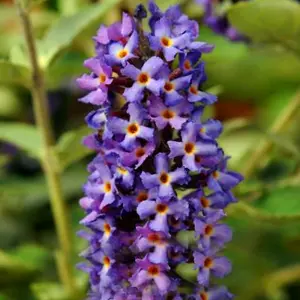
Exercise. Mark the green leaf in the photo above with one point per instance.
(22, 263)
(271, 21)
(65, 30)
(70, 148)
(11, 73)
(281, 202)
(48, 291)
(24, 136)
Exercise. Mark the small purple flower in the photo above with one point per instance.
(211, 233)
(120, 54)
(104, 187)
(163, 115)
(97, 82)
(165, 41)
(132, 129)
(191, 147)
(149, 272)
(195, 95)
(153, 239)
(222, 179)
(161, 210)
(143, 79)
(216, 293)
(172, 88)
(163, 179)
(116, 32)
(139, 195)
(210, 264)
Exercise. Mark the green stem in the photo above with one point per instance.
(266, 145)
(49, 159)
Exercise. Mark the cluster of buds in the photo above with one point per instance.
(151, 145)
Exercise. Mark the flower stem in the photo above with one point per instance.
(278, 126)
(49, 159)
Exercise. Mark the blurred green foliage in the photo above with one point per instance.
(256, 81)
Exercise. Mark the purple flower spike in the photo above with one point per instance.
(152, 144)
(143, 79)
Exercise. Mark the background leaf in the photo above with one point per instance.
(70, 148)
(281, 201)
(11, 73)
(24, 136)
(272, 21)
(66, 29)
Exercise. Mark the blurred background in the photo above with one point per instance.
(254, 70)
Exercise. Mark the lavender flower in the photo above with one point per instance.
(150, 147)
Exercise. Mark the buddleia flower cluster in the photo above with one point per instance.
(152, 147)
(215, 17)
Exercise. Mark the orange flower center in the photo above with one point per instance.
(216, 174)
(204, 202)
(122, 53)
(168, 114)
(189, 148)
(107, 187)
(203, 296)
(169, 86)
(165, 41)
(143, 78)
(161, 208)
(133, 129)
(102, 78)
(106, 261)
(142, 196)
(164, 178)
(194, 90)
(153, 270)
(154, 238)
(187, 65)
(107, 228)
(208, 263)
(140, 152)
(208, 230)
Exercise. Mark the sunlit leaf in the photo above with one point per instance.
(24, 136)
